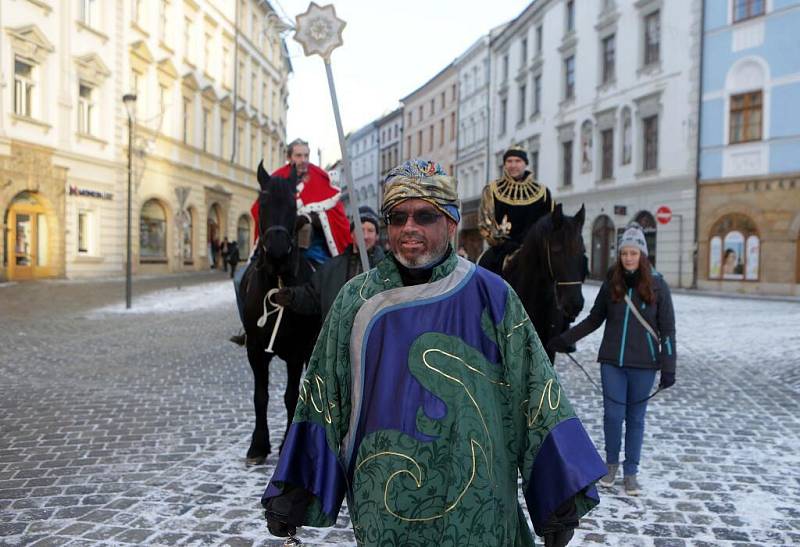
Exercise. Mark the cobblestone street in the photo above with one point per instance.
(132, 428)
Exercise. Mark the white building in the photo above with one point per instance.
(604, 95)
(390, 137)
(362, 147)
(211, 102)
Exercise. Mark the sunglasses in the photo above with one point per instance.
(425, 217)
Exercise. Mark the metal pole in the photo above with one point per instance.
(130, 170)
(680, 250)
(362, 247)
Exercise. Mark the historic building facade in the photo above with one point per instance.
(749, 189)
(390, 137)
(363, 149)
(210, 103)
(604, 96)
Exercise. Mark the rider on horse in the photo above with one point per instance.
(509, 206)
(326, 231)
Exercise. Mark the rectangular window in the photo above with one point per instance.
(187, 38)
(430, 138)
(253, 87)
(89, 12)
(537, 94)
(452, 126)
(650, 127)
(609, 58)
(454, 92)
(539, 39)
(419, 142)
(569, 77)
(745, 117)
(524, 51)
(206, 129)
(523, 90)
(187, 105)
(566, 158)
(408, 146)
(84, 232)
(162, 21)
(226, 78)
(223, 131)
(504, 74)
(137, 11)
(443, 99)
(652, 38)
(607, 138)
(534, 165)
(421, 114)
(570, 16)
(240, 146)
(503, 115)
(85, 109)
(441, 132)
(207, 54)
(745, 9)
(433, 106)
(23, 88)
(409, 119)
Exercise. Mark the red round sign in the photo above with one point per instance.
(663, 214)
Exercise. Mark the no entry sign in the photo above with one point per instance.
(663, 214)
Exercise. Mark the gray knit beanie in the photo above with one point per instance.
(634, 237)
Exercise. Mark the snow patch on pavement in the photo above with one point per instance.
(177, 300)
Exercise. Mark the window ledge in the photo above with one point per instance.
(607, 181)
(135, 25)
(648, 173)
(520, 123)
(166, 47)
(89, 259)
(90, 137)
(750, 142)
(536, 116)
(208, 76)
(154, 260)
(47, 8)
(92, 30)
(747, 19)
(649, 70)
(606, 86)
(32, 121)
(567, 102)
(189, 63)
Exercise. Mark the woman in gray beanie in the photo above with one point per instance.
(639, 339)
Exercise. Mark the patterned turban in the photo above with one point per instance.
(421, 179)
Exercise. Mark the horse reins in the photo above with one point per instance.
(600, 390)
(556, 282)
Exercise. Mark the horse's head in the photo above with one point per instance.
(277, 216)
(565, 255)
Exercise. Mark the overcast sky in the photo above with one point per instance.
(391, 47)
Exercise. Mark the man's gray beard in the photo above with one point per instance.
(424, 260)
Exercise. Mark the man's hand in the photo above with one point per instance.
(283, 297)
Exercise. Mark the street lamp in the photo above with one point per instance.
(130, 105)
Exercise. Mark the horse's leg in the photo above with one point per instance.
(294, 370)
(259, 364)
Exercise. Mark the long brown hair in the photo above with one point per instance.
(645, 287)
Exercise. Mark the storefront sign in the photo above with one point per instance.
(75, 191)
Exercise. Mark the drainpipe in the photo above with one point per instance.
(695, 258)
(234, 128)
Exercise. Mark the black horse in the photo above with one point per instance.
(279, 263)
(548, 271)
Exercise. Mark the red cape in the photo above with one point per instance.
(317, 194)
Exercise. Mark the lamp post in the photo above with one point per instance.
(130, 104)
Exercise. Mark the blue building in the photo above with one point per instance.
(749, 165)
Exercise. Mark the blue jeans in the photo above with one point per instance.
(625, 384)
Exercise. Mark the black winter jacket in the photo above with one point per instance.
(317, 296)
(625, 341)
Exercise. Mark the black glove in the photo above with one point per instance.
(667, 379)
(561, 527)
(559, 344)
(285, 512)
(283, 297)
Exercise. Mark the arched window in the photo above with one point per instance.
(648, 223)
(243, 233)
(734, 249)
(188, 235)
(153, 232)
(603, 248)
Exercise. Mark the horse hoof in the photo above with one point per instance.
(258, 460)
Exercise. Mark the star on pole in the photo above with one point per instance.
(319, 31)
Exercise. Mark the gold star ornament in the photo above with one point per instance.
(319, 31)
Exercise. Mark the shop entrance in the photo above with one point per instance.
(27, 241)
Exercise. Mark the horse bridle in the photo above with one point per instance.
(556, 282)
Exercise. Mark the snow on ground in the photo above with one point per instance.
(182, 299)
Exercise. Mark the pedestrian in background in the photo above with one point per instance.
(638, 340)
(223, 251)
(232, 256)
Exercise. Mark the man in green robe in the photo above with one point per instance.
(427, 395)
